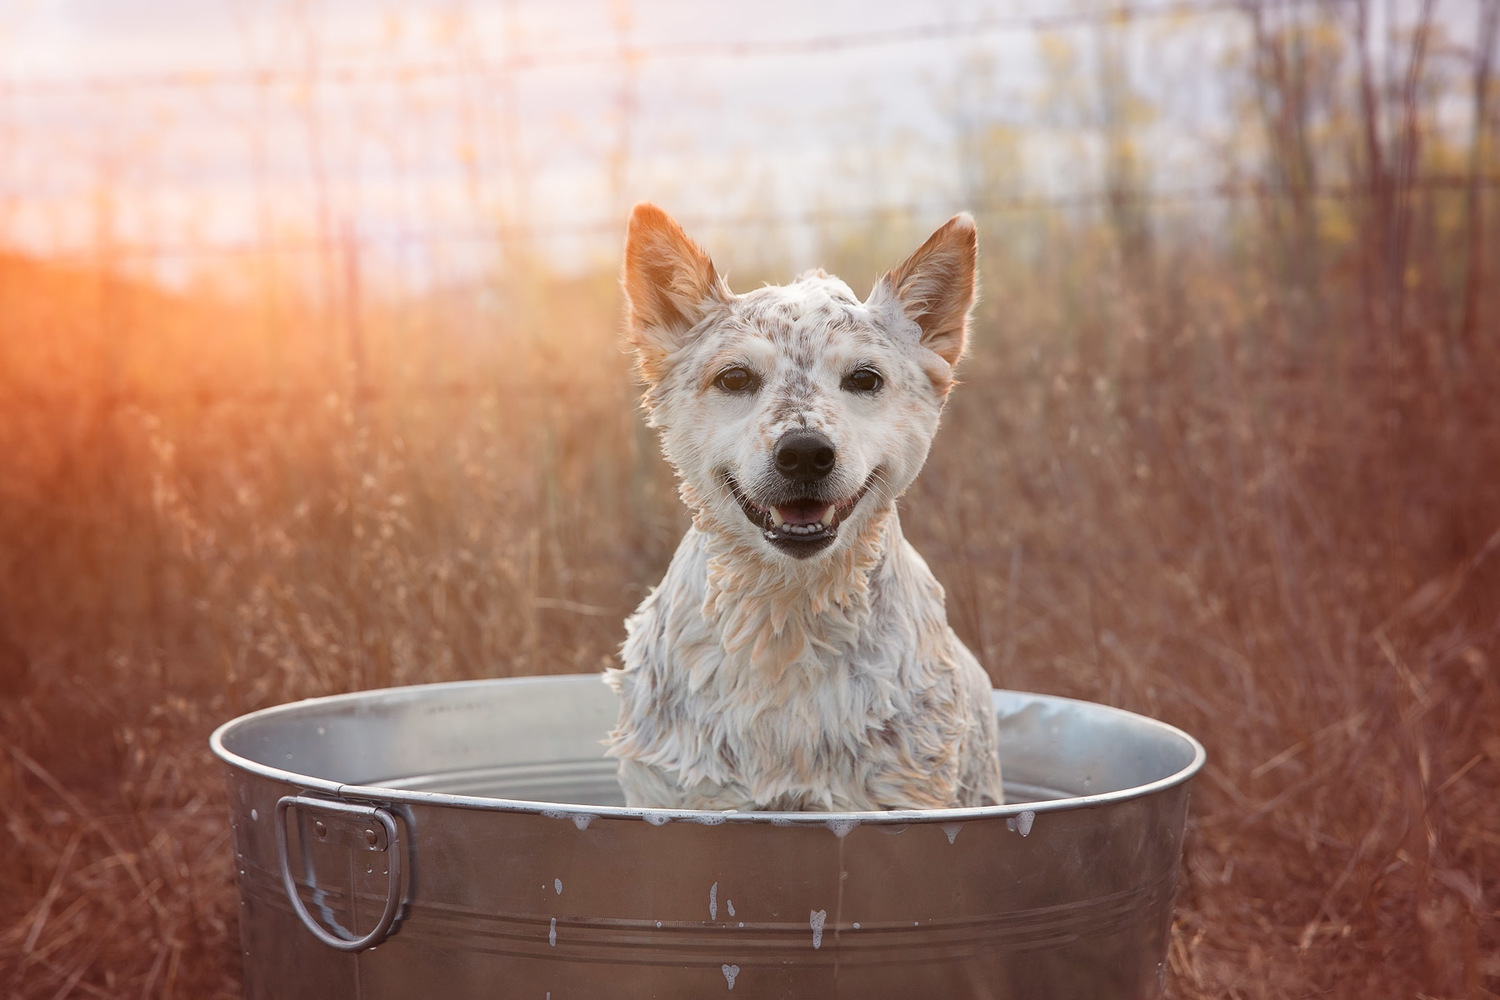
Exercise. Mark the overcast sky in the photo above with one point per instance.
(411, 122)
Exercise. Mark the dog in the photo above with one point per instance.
(797, 654)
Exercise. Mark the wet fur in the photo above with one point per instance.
(751, 679)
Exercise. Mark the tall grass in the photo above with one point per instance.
(1292, 560)
(1223, 473)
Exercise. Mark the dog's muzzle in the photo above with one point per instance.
(801, 524)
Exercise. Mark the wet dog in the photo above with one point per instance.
(797, 655)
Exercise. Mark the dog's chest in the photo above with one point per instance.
(747, 697)
(804, 734)
(799, 697)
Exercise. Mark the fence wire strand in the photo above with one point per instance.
(853, 40)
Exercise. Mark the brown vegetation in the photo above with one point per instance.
(1246, 482)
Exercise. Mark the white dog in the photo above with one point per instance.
(797, 655)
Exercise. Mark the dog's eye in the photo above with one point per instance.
(863, 380)
(735, 379)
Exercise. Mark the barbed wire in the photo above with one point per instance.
(627, 51)
(502, 234)
(338, 393)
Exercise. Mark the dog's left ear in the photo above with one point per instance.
(670, 284)
(935, 287)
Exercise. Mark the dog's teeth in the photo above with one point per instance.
(828, 515)
(776, 517)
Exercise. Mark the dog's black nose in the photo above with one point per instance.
(804, 456)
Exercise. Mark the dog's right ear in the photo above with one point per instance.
(670, 284)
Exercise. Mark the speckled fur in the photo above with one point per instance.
(751, 679)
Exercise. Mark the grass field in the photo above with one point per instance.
(1157, 491)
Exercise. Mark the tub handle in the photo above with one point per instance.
(359, 827)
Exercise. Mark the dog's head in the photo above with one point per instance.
(794, 413)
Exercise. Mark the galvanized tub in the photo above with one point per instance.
(468, 840)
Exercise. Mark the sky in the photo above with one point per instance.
(172, 129)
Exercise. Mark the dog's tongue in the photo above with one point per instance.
(803, 511)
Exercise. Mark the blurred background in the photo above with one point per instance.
(310, 381)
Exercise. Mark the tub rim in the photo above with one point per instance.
(582, 813)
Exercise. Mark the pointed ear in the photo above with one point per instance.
(670, 284)
(935, 287)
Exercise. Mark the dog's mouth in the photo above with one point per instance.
(799, 526)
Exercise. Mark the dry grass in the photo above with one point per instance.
(1156, 491)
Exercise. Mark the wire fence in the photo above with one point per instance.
(338, 395)
(500, 233)
(628, 51)
(341, 247)
(628, 55)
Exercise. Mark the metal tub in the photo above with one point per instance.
(468, 840)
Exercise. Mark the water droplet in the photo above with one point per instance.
(951, 830)
(552, 933)
(730, 971)
(557, 884)
(254, 815)
(856, 925)
(713, 901)
(730, 903)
